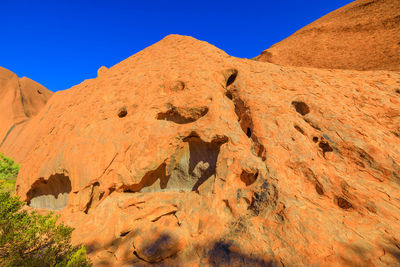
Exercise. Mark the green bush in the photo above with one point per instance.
(8, 173)
(31, 239)
(8, 168)
(28, 238)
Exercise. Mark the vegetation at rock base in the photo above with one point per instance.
(28, 238)
(8, 173)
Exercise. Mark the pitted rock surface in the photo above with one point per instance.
(249, 163)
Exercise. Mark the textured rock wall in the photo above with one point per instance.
(182, 155)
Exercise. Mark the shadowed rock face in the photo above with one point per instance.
(363, 35)
(193, 163)
(182, 155)
(20, 100)
(50, 194)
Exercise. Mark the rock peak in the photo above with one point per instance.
(363, 35)
(20, 100)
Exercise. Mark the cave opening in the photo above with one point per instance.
(51, 193)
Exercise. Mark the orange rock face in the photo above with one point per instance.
(182, 155)
(363, 35)
(20, 100)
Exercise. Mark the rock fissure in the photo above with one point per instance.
(10, 130)
(246, 122)
(23, 100)
(166, 214)
(95, 197)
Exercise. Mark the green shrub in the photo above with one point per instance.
(8, 173)
(8, 168)
(28, 238)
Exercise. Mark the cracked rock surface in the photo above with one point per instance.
(182, 155)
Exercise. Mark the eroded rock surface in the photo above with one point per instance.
(289, 166)
(363, 35)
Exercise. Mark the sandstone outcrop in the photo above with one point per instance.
(182, 155)
(20, 100)
(363, 35)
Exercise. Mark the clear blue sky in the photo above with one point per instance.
(60, 43)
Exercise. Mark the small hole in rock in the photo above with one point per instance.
(248, 132)
(324, 145)
(398, 91)
(38, 91)
(396, 134)
(248, 178)
(124, 234)
(343, 203)
(319, 189)
(315, 139)
(301, 107)
(122, 112)
(299, 129)
(232, 77)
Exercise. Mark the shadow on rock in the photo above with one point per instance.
(359, 256)
(161, 253)
(224, 253)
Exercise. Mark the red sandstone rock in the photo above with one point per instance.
(185, 156)
(363, 35)
(20, 100)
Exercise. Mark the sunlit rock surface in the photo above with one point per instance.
(20, 100)
(363, 35)
(183, 155)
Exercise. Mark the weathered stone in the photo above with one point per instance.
(363, 35)
(259, 179)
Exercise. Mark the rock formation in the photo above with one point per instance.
(20, 100)
(182, 155)
(363, 35)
